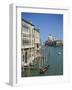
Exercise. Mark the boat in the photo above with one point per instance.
(43, 70)
(43, 67)
(59, 53)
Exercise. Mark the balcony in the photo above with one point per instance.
(25, 34)
(27, 46)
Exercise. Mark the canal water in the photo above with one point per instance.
(54, 58)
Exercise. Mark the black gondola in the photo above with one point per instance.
(43, 70)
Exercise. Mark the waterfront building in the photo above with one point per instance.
(52, 41)
(30, 42)
(59, 42)
(54, 38)
(50, 38)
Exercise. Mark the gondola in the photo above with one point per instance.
(43, 70)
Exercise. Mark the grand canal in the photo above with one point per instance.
(54, 58)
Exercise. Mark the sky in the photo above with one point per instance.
(48, 24)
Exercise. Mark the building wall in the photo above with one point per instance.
(30, 38)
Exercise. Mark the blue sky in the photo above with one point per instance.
(48, 24)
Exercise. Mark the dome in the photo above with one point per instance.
(50, 38)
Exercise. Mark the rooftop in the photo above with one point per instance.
(35, 28)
